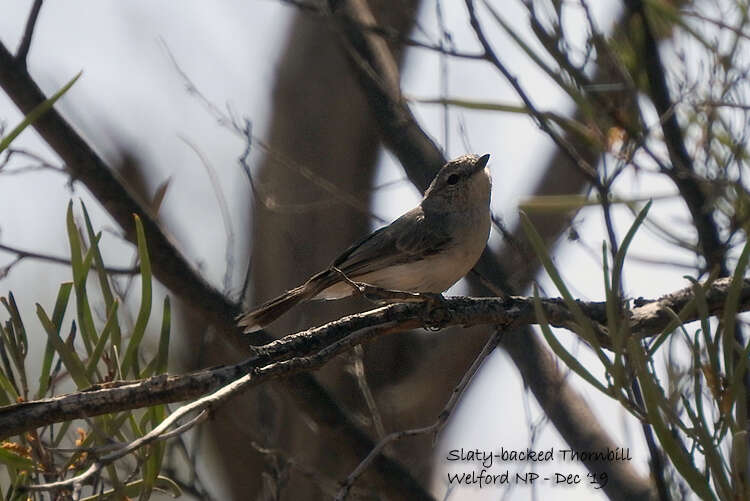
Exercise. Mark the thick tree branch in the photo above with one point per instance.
(682, 171)
(84, 164)
(374, 66)
(310, 349)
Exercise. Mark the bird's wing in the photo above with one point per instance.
(404, 240)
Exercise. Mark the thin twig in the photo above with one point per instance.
(23, 254)
(232, 124)
(541, 121)
(682, 171)
(434, 428)
(226, 216)
(25, 45)
(358, 369)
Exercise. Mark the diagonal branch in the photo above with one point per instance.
(682, 171)
(375, 67)
(84, 164)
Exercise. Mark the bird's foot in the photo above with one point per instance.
(436, 314)
(384, 296)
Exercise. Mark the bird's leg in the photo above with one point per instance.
(381, 295)
(437, 315)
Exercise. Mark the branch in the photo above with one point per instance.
(682, 172)
(584, 167)
(388, 33)
(310, 349)
(23, 254)
(84, 164)
(435, 428)
(25, 45)
(375, 67)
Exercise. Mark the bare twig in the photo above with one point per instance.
(25, 45)
(375, 67)
(682, 171)
(226, 216)
(435, 428)
(541, 121)
(358, 369)
(170, 266)
(23, 254)
(392, 35)
(231, 123)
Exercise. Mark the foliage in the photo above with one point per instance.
(35, 114)
(693, 412)
(84, 351)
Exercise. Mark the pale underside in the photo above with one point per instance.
(434, 273)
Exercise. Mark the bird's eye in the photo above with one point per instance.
(452, 179)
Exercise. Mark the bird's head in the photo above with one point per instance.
(461, 184)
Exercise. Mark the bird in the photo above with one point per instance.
(426, 250)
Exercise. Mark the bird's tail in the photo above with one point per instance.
(266, 313)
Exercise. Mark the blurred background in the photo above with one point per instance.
(163, 86)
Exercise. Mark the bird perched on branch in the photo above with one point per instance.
(428, 249)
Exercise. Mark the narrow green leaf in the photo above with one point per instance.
(624, 245)
(158, 365)
(702, 305)
(13, 460)
(560, 350)
(61, 433)
(652, 396)
(37, 112)
(583, 322)
(85, 322)
(96, 355)
(145, 310)
(735, 374)
(69, 357)
(61, 304)
(102, 274)
(9, 395)
(739, 460)
(558, 203)
(155, 456)
(710, 452)
(17, 341)
(22, 340)
(6, 344)
(616, 333)
(162, 355)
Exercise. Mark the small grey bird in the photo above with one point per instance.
(428, 249)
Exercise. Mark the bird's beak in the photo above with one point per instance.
(481, 163)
